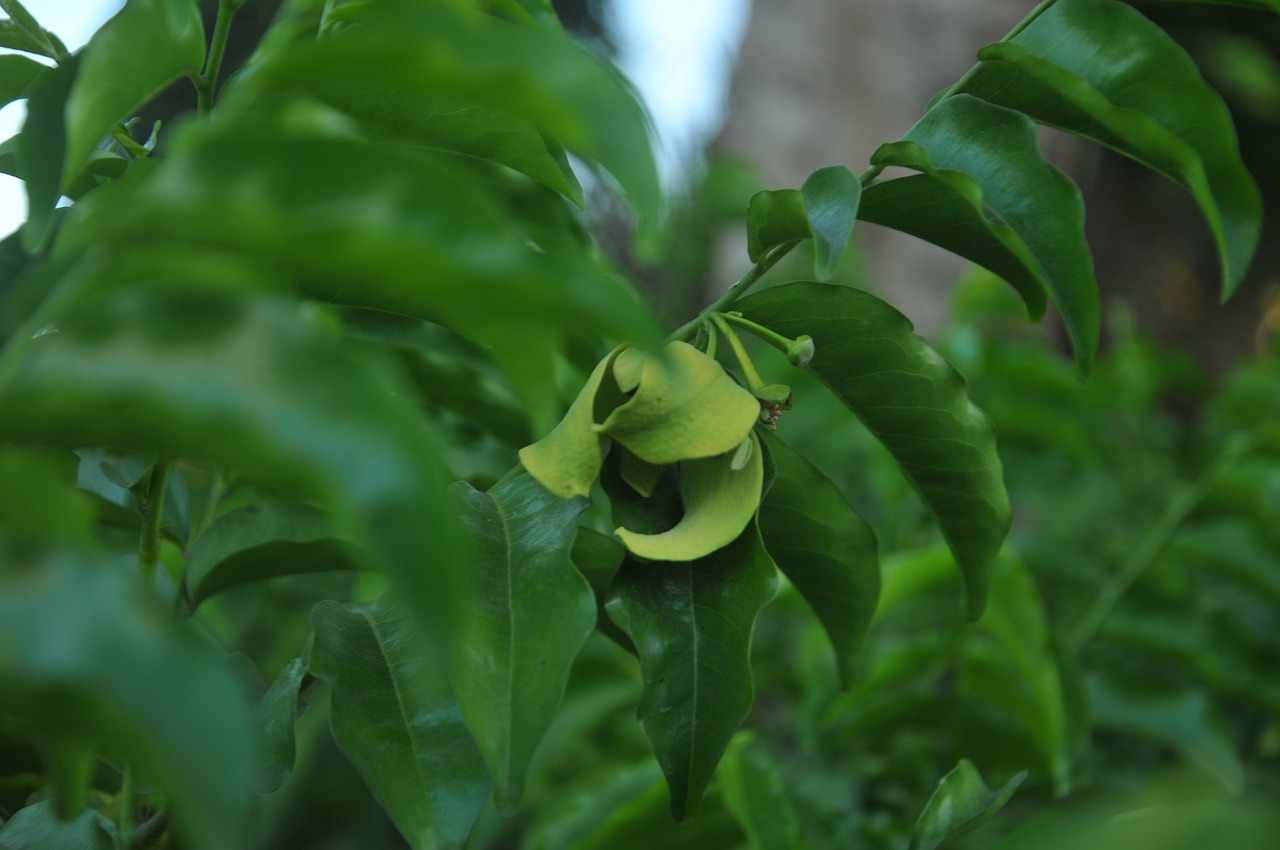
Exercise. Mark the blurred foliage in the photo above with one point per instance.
(242, 606)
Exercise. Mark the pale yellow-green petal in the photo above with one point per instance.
(568, 459)
(719, 501)
(641, 475)
(685, 406)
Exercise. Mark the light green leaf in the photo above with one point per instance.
(691, 624)
(40, 150)
(824, 548)
(275, 720)
(996, 149)
(913, 402)
(85, 658)
(264, 541)
(1099, 69)
(775, 217)
(719, 502)
(17, 73)
(684, 405)
(427, 51)
(39, 502)
(961, 803)
(393, 717)
(831, 198)
(145, 47)
(567, 460)
(256, 383)
(36, 827)
(523, 615)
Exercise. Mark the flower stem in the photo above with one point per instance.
(768, 261)
(151, 506)
(748, 368)
(207, 82)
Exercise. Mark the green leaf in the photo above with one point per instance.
(145, 47)
(691, 624)
(395, 720)
(431, 241)
(719, 498)
(1181, 718)
(264, 541)
(17, 73)
(85, 658)
(523, 615)
(989, 156)
(426, 52)
(961, 803)
(598, 557)
(831, 198)
(39, 501)
(41, 147)
(775, 217)
(275, 720)
(1101, 70)
(753, 790)
(824, 548)
(913, 402)
(683, 405)
(15, 37)
(36, 827)
(255, 383)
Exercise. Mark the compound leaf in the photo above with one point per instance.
(985, 177)
(1099, 69)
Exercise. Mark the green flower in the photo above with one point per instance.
(675, 407)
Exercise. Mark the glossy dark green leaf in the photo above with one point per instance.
(831, 198)
(394, 718)
(775, 217)
(428, 51)
(41, 147)
(913, 402)
(85, 658)
(691, 624)
(754, 791)
(255, 383)
(524, 613)
(824, 548)
(146, 46)
(989, 156)
(598, 557)
(961, 803)
(275, 719)
(16, 74)
(431, 240)
(37, 828)
(1099, 69)
(264, 541)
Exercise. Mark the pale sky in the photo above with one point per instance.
(678, 53)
